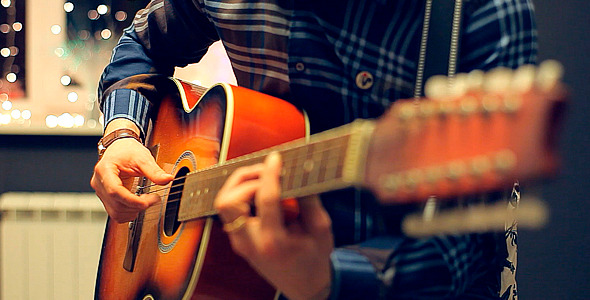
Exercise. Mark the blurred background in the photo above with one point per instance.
(51, 55)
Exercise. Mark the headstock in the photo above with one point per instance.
(471, 134)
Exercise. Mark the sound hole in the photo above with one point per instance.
(171, 223)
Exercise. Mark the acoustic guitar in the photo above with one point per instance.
(480, 135)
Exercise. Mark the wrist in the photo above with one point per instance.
(121, 123)
(114, 135)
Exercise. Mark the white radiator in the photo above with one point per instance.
(50, 245)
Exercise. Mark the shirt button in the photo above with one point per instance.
(299, 66)
(364, 80)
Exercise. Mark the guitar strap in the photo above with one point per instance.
(439, 44)
(439, 51)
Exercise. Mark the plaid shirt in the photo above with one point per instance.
(311, 53)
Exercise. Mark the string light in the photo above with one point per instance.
(84, 34)
(56, 29)
(102, 9)
(72, 97)
(93, 15)
(15, 114)
(11, 77)
(69, 7)
(66, 80)
(13, 51)
(65, 120)
(51, 121)
(5, 28)
(106, 34)
(59, 52)
(26, 114)
(83, 40)
(7, 105)
(5, 119)
(120, 16)
(78, 120)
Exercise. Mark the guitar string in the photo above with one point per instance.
(149, 212)
(291, 156)
(214, 178)
(287, 161)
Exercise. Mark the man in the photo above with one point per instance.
(317, 55)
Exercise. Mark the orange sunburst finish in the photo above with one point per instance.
(196, 261)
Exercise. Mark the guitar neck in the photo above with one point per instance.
(328, 161)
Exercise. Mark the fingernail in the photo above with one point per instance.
(273, 157)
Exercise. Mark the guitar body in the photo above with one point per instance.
(457, 145)
(158, 257)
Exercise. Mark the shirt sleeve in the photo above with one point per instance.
(164, 35)
(497, 33)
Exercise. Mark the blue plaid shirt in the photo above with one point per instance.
(311, 53)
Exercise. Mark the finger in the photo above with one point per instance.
(120, 214)
(235, 196)
(233, 203)
(267, 200)
(113, 187)
(243, 174)
(314, 218)
(121, 208)
(150, 169)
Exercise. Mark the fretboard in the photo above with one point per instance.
(328, 161)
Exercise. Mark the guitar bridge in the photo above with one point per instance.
(135, 228)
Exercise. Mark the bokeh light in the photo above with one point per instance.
(106, 34)
(69, 6)
(72, 97)
(65, 80)
(102, 9)
(56, 29)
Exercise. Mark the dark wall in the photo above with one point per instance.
(553, 263)
(46, 163)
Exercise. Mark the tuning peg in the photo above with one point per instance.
(392, 182)
(524, 78)
(468, 105)
(437, 87)
(490, 103)
(498, 80)
(407, 111)
(434, 174)
(549, 74)
(532, 213)
(475, 80)
(458, 85)
(504, 161)
(480, 165)
(512, 103)
(456, 169)
(446, 107)
(414, 177)
(426, 109)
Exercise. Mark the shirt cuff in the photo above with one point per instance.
(353, 276)
(129, 104)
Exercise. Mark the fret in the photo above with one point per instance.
(332, 164)
(308, 169)
(290, 157)
(324, 158)
(312, 165)
(300, 156)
